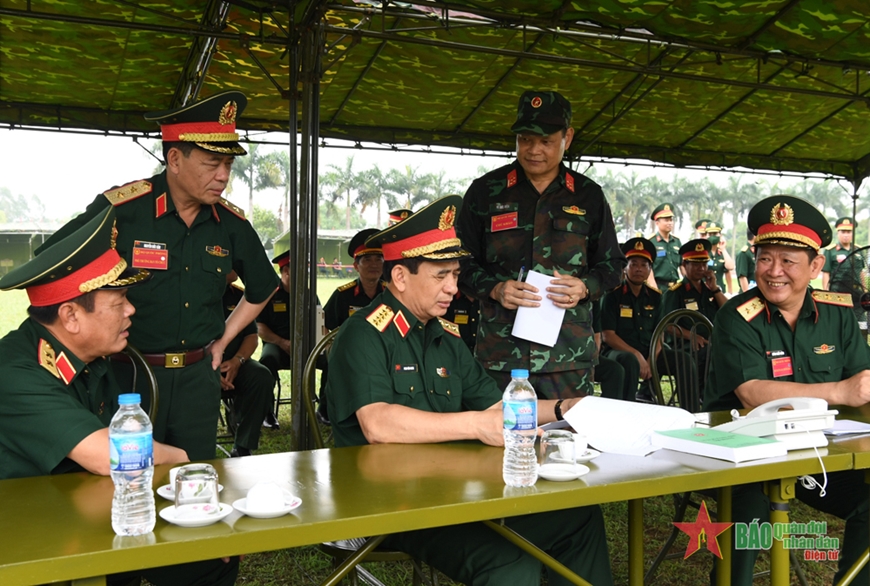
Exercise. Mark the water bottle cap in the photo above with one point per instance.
(519, 373)
(129, 399)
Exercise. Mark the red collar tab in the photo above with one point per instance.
(401, 323)
(569, 182)
(65, 368)
(512, 178)
(160, 206)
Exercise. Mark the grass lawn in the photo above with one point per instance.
(307, 565)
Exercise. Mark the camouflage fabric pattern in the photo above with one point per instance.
(569, 231)
(552, 385)
(542, 113)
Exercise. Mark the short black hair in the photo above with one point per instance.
(47, 315)
(412, 264)
(749, 234)
(185, 147)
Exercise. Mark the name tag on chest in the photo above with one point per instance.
(625, 312)
(504, 222)
(279, 307)
(150, 255)
(692, 304)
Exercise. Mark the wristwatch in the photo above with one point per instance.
(557, 410)
(241, 358)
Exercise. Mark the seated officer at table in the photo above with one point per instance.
(399, 373)
(58, 394)
(783, 339)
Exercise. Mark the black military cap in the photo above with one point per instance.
(844, 223)
(210, 123)
(428, 233)
(282, 259)
(82, 262)
(663, 210)
(357, 246)
(789, 221)
(542, 113)
(697, 250)
(399, 215)
(639, 247)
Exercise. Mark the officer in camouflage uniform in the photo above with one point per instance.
(58, 392)
(536, 214)
(782, 339)
(401, 374)
(746, 263)
(177, 225)
(666, 267)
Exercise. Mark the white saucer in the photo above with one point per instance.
(589, 454)
(168, 514)
(167, 492)
(562, 472)
(290, 502)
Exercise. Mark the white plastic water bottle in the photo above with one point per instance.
(520, 405)
(132, 464)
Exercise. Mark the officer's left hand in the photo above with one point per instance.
(567, 291)
(229, 371)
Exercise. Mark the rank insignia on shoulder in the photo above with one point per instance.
(450, 327)
(675, 286)
(824, 349)
(751, 308)
(46, 358)
(346, 286)
(217, 250)
(656, 289)
(233, 208)
(128, 192)
(841, 299)
(380, 317)
(573, 210)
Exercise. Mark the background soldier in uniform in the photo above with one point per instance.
(401, 374)
(666, 266)
(698, 290)
(58, 392)
(746, 263)
(345, 300)
(783, 339)
(536, 214)
(177, 225)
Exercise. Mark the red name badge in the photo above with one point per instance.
(504, 222)
(150, 255)
(782, 366)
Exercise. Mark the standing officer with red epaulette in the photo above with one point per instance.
(177, 225)
(536, 214)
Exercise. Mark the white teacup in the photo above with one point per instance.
(580, 444)
(265, 497)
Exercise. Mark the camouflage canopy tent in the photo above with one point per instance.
(781, 85)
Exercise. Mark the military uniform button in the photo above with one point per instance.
(183, 342)
(186, 304)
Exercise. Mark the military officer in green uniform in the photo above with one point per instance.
(177, 225)
(666, 266)
(356, 294)
(464, 311)
(400, 373)
(58, 393)
(746, 263)
(536, 214)
(783, 339)
(720, 260)
(701, 227)
(273, 323)
(248, 382)
(846, 272)
(698, 290)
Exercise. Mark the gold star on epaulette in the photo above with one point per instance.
(47, 358)
(450, 327)
(751, 308)
(346, 286)
(233, 208)
(128, 192)
(381, 317)
(841, 299)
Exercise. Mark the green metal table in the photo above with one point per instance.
(58, 527)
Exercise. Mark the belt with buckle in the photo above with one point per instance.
(169, 359)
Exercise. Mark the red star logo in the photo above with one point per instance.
(703, 530)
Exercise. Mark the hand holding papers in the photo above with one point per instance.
(539, 324)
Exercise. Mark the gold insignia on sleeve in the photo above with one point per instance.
(233, 208)
(381, 317)
(450, 327)
(781, 215)
(128, 192)
(445, 222)
(830, 298)
(751, 308)
(47, 359)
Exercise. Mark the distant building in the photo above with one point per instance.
(18, 241)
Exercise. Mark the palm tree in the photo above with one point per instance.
(374, 188)
(341, 182)
(250, 170)
(409, 187)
